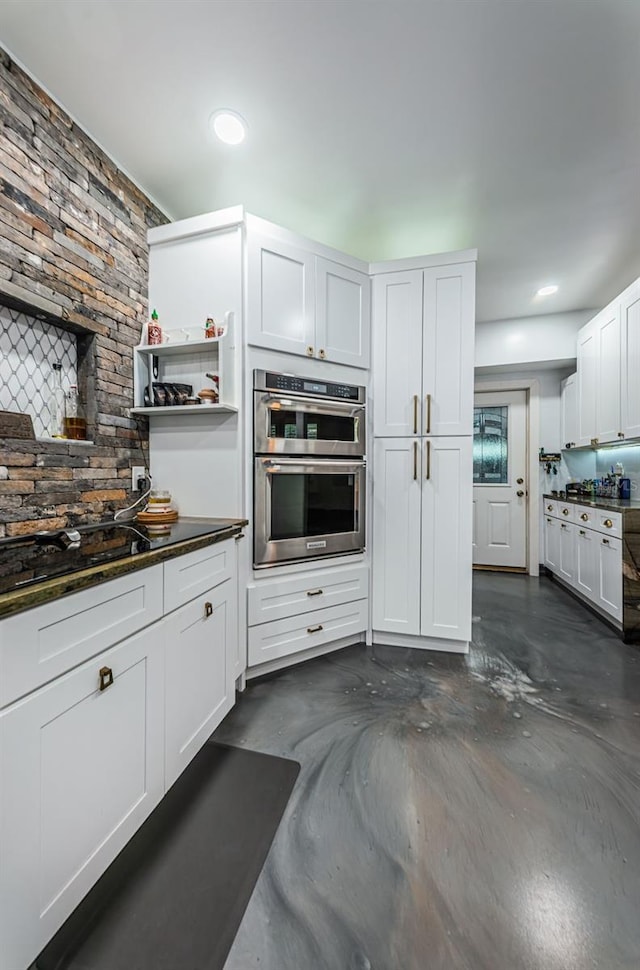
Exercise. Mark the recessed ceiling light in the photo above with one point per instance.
(547, 290)
(228, 126)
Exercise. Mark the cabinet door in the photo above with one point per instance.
(586, 565)
(200, 674)
(608, 390)
(569, 411)
(447, 507)
(396, 536)
(552, 544)
(343, 314)
(448, 349)
(630, 360)
(80, 769)
(397, 354)
(587, 382)
(280, 296)
(567, 553)
(610, 576)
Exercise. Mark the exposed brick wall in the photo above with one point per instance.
(73, 234)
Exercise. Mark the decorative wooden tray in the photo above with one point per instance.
(157, 518)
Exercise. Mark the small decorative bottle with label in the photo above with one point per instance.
(154, 330)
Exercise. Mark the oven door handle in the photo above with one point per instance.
(344, 465)
(326, 405)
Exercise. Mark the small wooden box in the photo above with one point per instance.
(16, 425)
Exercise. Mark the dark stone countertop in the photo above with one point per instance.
(15, 601)
(607, 504)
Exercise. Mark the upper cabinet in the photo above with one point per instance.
(630, 360)
(599, 411)
(303, 304)
(569, 411)
(423, 325)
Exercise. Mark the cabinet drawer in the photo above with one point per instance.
(188, 576)
(585, 516)
(305, 592)
(281, 638)
(565, 511)
(42, 643)
(550, 506)
(609, 523)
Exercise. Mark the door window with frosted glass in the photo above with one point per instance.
(490, 445)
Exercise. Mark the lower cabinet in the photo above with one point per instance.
(297, 612)
(200, 674)
(586, 559)
(422, 540)
(81, 769)
(86, 757)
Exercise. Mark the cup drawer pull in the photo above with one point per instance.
(315, 592)
(314, 629)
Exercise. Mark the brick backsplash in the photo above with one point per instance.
(72, 234)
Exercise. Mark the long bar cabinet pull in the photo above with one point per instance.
(428, 474)
(415, 461)
(314, 592)
(415, 413)
(428, 414)
(314, 629)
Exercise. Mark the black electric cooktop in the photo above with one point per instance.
(31, 559)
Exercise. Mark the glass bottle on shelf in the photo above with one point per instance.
(57, 408)
(75, 422)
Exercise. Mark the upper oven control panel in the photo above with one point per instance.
(288, 383)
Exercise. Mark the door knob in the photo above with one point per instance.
(520, 493)
(519, 481)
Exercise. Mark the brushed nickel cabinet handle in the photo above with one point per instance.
(309, 351)
(428, 472)
(322, 353)
(106, 677)
(208, 609)
(415, 413)
(428, 414)
(584, 517)
(415, 461)
(315, 592)
(608, 523)
(314, 629)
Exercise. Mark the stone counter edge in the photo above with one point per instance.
(25, 599)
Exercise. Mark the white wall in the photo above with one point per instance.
(527, 341)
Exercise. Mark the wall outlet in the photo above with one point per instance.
(138, 471)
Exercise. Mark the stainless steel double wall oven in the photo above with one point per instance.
(309, 468)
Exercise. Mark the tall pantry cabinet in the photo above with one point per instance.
(423, 356)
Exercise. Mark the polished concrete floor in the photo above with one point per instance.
(477, 813)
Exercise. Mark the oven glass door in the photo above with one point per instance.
(306, 508)
(301, 426)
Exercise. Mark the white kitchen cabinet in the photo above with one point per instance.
(397, 541)
(599, 378)
(630, 360)
(422, 543)
(306, 305)
(200, 674)
(552, 543)
(586, 562)
(446, 555)
(423, 322)
(569, 411)
(81, 769)
(566, 563)
(609, 592)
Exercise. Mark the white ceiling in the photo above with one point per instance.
(385, 128)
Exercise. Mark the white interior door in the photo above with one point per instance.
(500, 479)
